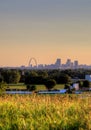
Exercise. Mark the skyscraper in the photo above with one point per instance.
(68, 63)
(76, 64)
(58, 63)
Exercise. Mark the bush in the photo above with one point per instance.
(67, 86)
(50, 84)
(2, 87)
(86, 83)
(31, 87)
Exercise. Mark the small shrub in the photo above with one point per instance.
(31, 87)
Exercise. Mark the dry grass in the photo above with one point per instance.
(45, 112)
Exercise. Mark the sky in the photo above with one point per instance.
(45, 30)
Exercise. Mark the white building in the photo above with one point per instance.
(76, 86)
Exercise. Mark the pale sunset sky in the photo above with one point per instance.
(45, 30)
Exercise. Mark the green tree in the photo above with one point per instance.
(30, 78)
(64, 79)
(86, 83)
(50, 84)
(11, 76)
(15, 76)
(43, 73)
(2, 87)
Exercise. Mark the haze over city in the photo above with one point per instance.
(44, 29)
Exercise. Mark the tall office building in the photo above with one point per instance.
(68, 63)
(76, 64)
(58, 63)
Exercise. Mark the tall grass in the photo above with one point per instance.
(44, 112)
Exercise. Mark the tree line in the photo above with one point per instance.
(46, 77)
(32, 76)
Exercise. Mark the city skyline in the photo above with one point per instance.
(58, 64)
(44, 29)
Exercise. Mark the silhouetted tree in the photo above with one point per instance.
(86, 83)
(63, 79)
(11, 76)
(67, 86)
(15, 76)
(50, 84)
(31, 87)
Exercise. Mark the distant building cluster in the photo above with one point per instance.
(58, 65)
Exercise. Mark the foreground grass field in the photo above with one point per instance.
(45, 112)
